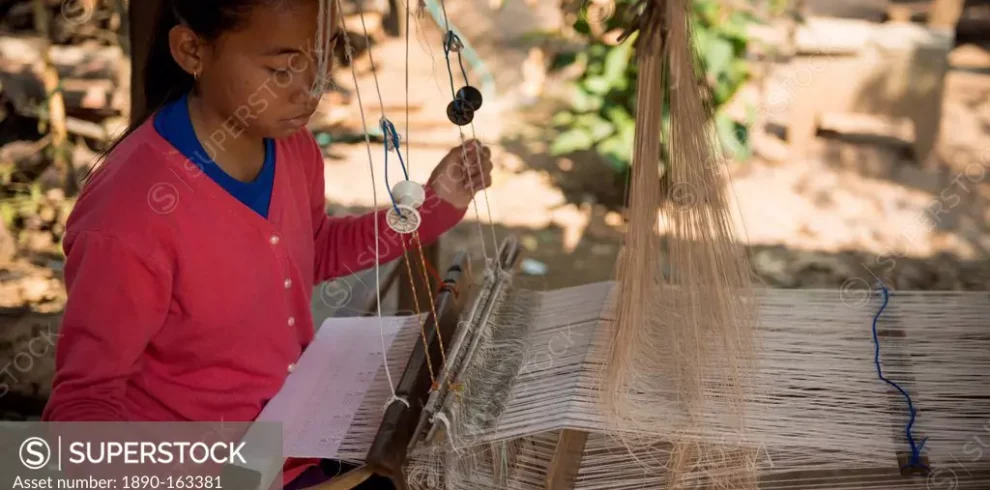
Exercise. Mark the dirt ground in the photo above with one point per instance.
(852, 212)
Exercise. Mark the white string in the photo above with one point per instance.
(349, 53)
(374, 196)
(371, 59)
(392, 399)
(448, 428)
(484, 190)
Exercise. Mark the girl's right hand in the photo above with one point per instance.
(465, 170)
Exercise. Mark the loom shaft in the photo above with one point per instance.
(466, 343)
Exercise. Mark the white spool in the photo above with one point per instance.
(407, 223)
(409, 193)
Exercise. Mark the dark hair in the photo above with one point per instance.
(163, 79)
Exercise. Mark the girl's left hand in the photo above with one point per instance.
(465, 170)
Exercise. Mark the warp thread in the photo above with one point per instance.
(441, 418)
(915, 460)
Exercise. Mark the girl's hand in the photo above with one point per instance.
(465, 170)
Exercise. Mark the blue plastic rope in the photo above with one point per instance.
(389, 129)
(916, 449)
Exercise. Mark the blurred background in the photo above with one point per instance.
(857, 134)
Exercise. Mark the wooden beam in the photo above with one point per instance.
(387, 455)
(566, 462)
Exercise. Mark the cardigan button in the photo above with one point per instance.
(274, 239)
(288, 283)
(292, 367)
(292, 321)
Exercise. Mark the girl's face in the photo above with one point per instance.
(259, 76)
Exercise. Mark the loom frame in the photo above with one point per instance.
(414, 385)
(387, 456)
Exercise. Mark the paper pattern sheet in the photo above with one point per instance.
(320, 397)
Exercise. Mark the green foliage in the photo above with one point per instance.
(602, 99)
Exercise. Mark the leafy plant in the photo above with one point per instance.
(603, 98)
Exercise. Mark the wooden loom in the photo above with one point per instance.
(955, 431)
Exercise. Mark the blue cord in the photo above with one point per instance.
(389, 131)
(916, 449)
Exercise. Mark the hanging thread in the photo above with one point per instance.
(461, 113)
(374, 194)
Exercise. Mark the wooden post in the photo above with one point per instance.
(945, 13)
(395, 18)
(56, 104)
(141, 17)
(566, 462)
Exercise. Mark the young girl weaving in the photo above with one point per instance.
(193, 250)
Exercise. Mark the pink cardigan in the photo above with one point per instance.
(186, 305)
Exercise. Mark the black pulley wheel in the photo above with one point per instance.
(472, 95)
(459, 112)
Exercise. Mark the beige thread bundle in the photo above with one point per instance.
(692, 328)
